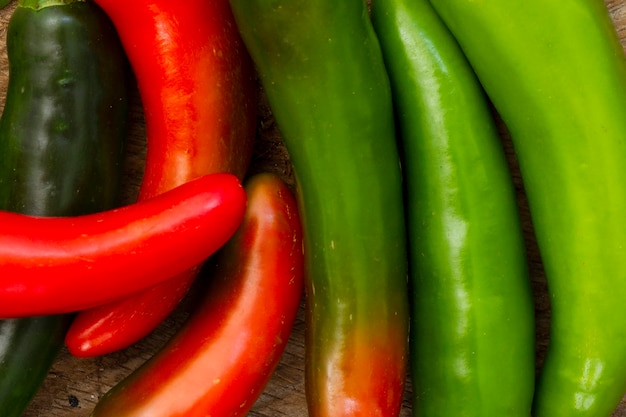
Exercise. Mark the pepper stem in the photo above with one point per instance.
(40, 4)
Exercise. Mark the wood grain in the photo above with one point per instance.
(74, 385)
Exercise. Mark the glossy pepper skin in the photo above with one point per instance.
(471, 300)
(199, 95)
(28, 349)
(556, 73)
(62, 133)
(64, 122)
(221, 359)
(51, 265)
(322, 69)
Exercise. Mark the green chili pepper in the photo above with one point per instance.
(556, 73)
(472, 322)
(322, 69)
(61, 139)
(66, 109)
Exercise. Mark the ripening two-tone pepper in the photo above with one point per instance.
(220, 360)
(199, 95)
(322, 70)
(52, 265)
(556, 73)
(62, 134)
(472, 322)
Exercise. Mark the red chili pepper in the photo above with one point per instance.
(198, 91)
(52, 265)
(222, 358)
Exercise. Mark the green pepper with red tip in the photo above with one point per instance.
(322, 69)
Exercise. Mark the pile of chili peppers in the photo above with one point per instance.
(402, 231)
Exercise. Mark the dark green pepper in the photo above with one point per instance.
(28, 348)
(65, 110)
(472, 322)
(556, 73)
(62, 132)
(322, 69)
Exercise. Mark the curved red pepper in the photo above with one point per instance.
(52, 265)
(223, 356)
(198, 89)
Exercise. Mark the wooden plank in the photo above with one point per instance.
(74, 385)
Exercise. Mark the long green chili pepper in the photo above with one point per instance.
(471, 298)
(556, 73)
(322, 69)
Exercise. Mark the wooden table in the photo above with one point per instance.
(74, 385)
